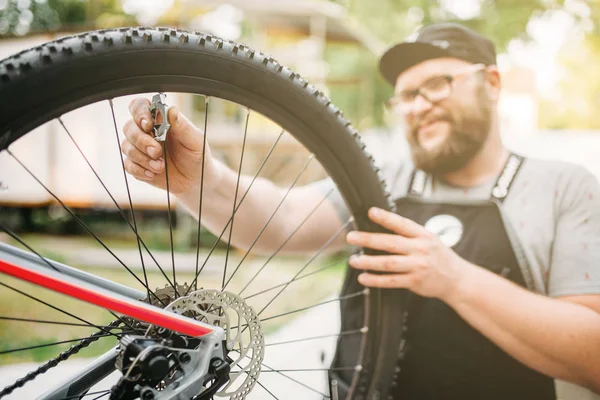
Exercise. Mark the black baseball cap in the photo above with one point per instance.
(435, 41)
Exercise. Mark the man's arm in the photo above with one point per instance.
(558, 337)
(303, 218)
(191, 165)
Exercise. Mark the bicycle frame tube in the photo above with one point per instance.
(83, 289)
(25, 258)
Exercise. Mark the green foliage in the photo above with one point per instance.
(20, 17)
(70, 11)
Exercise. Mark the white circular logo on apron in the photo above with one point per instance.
(447, 227)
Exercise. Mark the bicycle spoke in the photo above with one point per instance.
(270, 219)
(125, 323)
(280, 372)
(267, 390)
(56, 308)
(302, 269)
(335, 264)
(169, 215)
(135, 230)
(119, 208)
(14, 236)
(22, 242)
(195, 280)
(80, 222)
(345, 333)
(286, 241)
(201, 187)
(312, 369)
(280, 169)
(56, 343)
(102, 395)
(78, 396)
(342, 229)
(41, 321)
(254, 380)
(226, 280)
(237, 187)
(341, 298)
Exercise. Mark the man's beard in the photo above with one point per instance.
(467, 136)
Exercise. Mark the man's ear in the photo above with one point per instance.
(493, 82)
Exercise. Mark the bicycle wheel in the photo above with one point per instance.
(40, 91)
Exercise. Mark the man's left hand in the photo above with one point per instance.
(418, 260)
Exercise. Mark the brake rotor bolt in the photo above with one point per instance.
(185, 358)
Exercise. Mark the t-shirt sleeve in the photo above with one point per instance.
(575, 265)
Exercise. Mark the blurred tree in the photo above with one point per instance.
(106, 13)
(20, 17)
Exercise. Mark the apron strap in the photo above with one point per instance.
(500, 189)
(507, 177)
(416, 187)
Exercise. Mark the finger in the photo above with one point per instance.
(402, 264)
(396, 223)
(137, 171)
(139, 108)
(389, 281)
(184, 131)
(142, 159)
(142, 141)
(390, 243)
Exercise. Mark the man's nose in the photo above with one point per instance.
(421, 105)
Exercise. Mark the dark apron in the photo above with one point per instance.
(440, 355)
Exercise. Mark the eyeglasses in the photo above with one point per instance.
(433, 90)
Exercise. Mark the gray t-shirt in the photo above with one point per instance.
(553, 208)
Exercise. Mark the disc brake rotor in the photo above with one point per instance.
(243, 333)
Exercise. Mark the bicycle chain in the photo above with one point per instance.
(56, 360)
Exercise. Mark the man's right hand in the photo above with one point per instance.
(145, 156)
